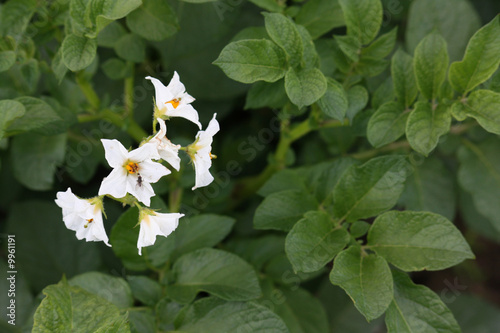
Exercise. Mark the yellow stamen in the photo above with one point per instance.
(132, 167)
(212, 156)
(88, 222)
(175, 102)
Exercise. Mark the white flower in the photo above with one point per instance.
(133, 172)
(153, 224)
(173, 100)
(200, 152)
(166, 149)
(83, 216)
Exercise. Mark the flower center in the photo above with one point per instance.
(88, 222)
(132, 167)
(175, 102)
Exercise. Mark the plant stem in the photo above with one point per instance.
(130, 126)
(88, 91)
(128, 98)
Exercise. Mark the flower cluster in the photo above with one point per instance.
(134, 171)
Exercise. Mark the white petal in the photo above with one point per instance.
(170, 153)
(144, 152)
(213, 126)
(143, 193)
(66, 200)
(115, 184)
(185, 111)
(163, 129)
(72, 221)
(175, 87)
(162, 94)
(147, 233)
(115, 153)
(202, 173)
(187, 99)
(97, 231)
(151, 171)
(167, 222)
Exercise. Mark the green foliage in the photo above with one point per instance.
(416, 308)
(414, 241)
(220, 273)
(70, 308)
(366, 278)
(369, 129)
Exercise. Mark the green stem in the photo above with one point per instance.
(128, 98)
(88, 91)
(130, 126)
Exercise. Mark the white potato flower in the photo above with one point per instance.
(83, 216)
(133, 171)
(200, 153)
(173, 100)
(166, 149)
(153, 224)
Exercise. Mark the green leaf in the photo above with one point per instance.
(58, 66)
(217, 272)
(78, 52)
(366, 278)
(415, 241)
(387, 124)
(38, 114)
(281, 210)
(73, 309)
(357, 98)
(370, 189)
(284, 33)
(417, 309)
(383, 94)
(111, 34)
(15, 17)
(103, 12)
(252, 60)
(456, 21)
(116, 69)
(314, 241)
(210, 315)
(35, 158)
(310, 58)
(142, 321)
(481, 59)
(320, 16)
(425, 125)
(403, 78)
(334, 102)
(198, 1)
(7, 60)
(131, 47)
(9, 111)
(301, 311)
(258, 251)
(363, 18)
(124, 239)
(430, 188)
(431, 64)
(382, 46)
(479, 174)
(359, 228)
(305, 86)
(48, 250)
(111, 288)
(205, 230)
(144, 289)
(154, 20)
(270, 5)
(350, 45)
(474, 314)
(484, 106)
(264, 94)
